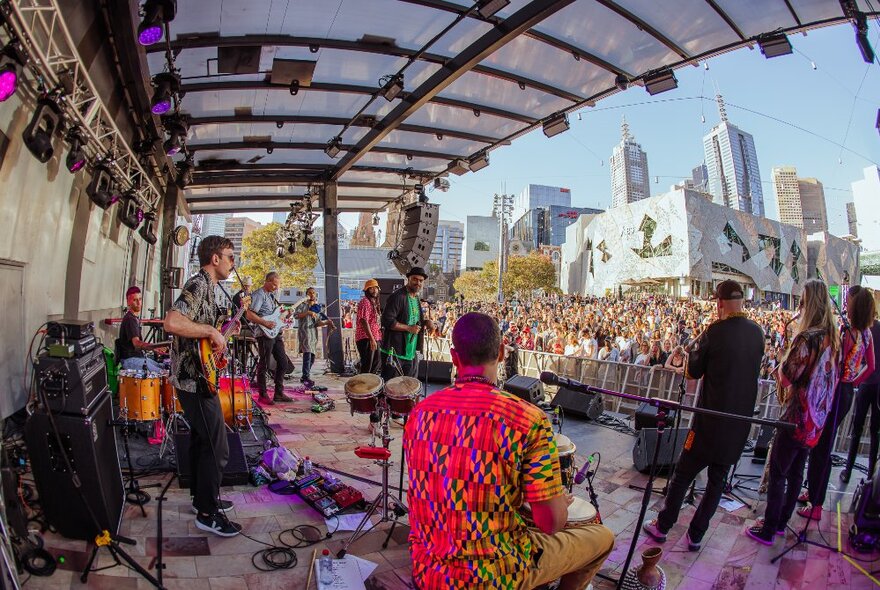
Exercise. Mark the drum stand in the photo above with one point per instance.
(171, 426)
(389, 512)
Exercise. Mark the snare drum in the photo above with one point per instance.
(362, 392)
(140, 398)
(238, 407)
(580, 513)
(403, 394)
(567, 466)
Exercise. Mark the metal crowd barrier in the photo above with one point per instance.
(644, 381)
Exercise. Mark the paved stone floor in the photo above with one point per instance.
(196, 560)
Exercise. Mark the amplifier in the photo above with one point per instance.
(70, 386)
(70, 329)
(82, 346)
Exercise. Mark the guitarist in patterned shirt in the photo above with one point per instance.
(193, 317)
(260, 314)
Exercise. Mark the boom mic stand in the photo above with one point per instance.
(663, 407)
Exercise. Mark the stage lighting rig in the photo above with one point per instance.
(11, 64)
(860, 24)
(76, 155)
(660, 81)
(334, 146)
(167, 85)
(185, 171)
(45, 122)
(101, 187)
(298, 227)
(177, 128)
(148, 229)
(441, 184)
(130, 213)
(157, 13)
(392, 86)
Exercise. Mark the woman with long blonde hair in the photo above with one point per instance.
(807, 375)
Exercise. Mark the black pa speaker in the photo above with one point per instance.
(762, 445)
(527, 388)
(643, 450)
(419, 223)
(646, 416)
(387, 287)
(435, 371)
(90, 444)
(575, 403)
(234, 474)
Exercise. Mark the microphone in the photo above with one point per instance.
(550, 378)
(584, 471)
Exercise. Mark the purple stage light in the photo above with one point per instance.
(149, 34)
(77, 165)
(8, 82)
(162, 107)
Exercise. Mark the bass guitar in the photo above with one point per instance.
(214, 362)
(275, 316)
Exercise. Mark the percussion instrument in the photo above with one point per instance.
(139, 397)
(580, 513)
(170, 403)
(567, 465)
(402, 394)
(240, 402)
(362, 392)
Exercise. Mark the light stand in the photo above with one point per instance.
(663, 407)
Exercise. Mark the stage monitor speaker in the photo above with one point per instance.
(575, 403)
(419, 229)
(527, 388)
(646, 416)
(234, 474)
(762, 445)
(435, 372)
(643, 450)
(90, 444)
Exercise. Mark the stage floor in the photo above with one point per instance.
(196, 560)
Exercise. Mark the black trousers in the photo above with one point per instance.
(208, 447)
(273, 347)
(688, 467)
(786, 477)
(407, 368)
(867, 398)
(370, 360)
(819, 468)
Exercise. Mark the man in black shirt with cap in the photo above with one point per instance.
(728, 359)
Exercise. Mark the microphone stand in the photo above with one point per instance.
(663, 407)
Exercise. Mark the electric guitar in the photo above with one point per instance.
(214, 362)
(275, 316)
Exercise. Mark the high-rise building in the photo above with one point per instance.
(237, 229)
(732, 166)
(448, 246)
(481, 241)
(851, 219)
(214, 225)
(813, 205)
(629, 170)
(539, 195)
(700, 178)
(545, 226)
(788, 197)
(866, 195)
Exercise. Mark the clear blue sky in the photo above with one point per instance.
(799, 116)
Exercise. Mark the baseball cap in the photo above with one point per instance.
(728, 289)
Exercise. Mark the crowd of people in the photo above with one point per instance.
(643, 329)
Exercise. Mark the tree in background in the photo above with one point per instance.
(524, 275)
(259, 256)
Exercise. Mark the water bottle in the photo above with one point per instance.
(325, 568)
(307, 465)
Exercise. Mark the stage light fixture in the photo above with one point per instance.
(314, 48)
(333, 147)
(294, 87)
(38, 134)
(556, 124)
(185, 171)
(100, 187)
(177, 129)
(392, 87)
(130, 214)
(76, 155)
(148, 229)
(860, 23)
(479, 162)
(156, 14)
(441, 184)
(167, 85)
(279, 124)
(459, 166)
(270, 149)
(660, 81)
(621, 81)
(11, 64)
(488, 8)
(774, 45)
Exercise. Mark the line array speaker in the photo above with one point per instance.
(90, 444)
(419, 223)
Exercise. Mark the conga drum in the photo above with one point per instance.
(362, 392)
(402, 394)
(580, 513)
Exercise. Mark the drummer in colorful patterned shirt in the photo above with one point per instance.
(475, 454)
